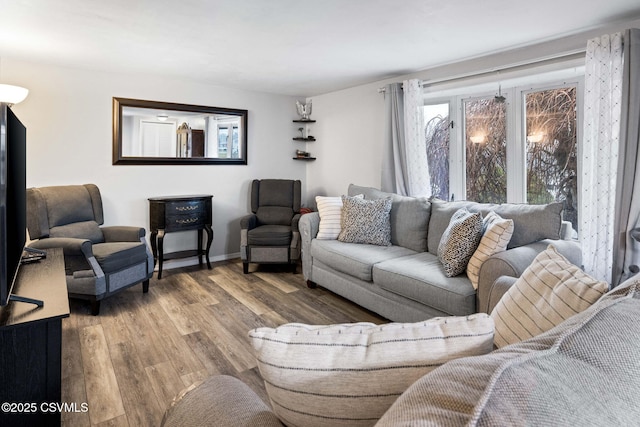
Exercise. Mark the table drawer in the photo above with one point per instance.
(183, 222)
(185, 207)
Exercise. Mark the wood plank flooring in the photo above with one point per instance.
(129, 362)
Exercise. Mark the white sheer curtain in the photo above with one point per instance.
(405, 168)
(602, 108)
(417, 165)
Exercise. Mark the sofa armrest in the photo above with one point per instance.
(498, 289)
(219, 401)
(248, 222)
(309, 226)
(514, 261)
(122, 233)
(295, 222)
(70, 246)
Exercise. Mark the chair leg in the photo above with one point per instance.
(245, 267)
(145, 286)
(95, 307)
(294, 267)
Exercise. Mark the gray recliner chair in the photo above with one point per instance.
(99, 261)
(270, 234)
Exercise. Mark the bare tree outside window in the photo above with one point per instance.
(486, 149)
(552, 163)
(436, 119)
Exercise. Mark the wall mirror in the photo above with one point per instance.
(163, 133)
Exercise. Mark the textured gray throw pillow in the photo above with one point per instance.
(459, 241)
(365, 221)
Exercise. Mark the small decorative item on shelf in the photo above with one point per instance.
(301, 130)
(302, 154)
(304, 110)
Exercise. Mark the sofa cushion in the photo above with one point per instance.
(496, 237)
(365, 221)
(269, 235)
(330, 211)
(409, 217)
(532, 223)
(350, 374)
(421, 277)
(274, 215)
(354, 259)
(459, 241)
(89, 230)
(68, 204)
(585, 371)
(549, 291)
(118, 255)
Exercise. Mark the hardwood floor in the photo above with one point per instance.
(128, 363)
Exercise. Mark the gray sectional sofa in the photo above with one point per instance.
(405, 282)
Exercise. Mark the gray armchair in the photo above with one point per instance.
(270, 234)
(99, 261)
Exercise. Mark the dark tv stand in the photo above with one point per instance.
(31, 342)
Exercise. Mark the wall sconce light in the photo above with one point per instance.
(477, 139)
(162, 117)
(10, 94)
(535, 138)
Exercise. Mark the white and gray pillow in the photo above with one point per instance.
(459, 241)
(350, 374)
(330, 211)
(365, 221)
(550, 290)
(495, 239)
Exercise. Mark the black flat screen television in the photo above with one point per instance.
(13, 198)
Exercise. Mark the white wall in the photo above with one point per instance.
(349, 132)
(68, 115)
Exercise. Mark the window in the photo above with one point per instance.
(228, 147)
(518, 146)
(552, 160)
(436, 119)
(485, 136)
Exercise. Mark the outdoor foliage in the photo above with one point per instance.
(551, 157)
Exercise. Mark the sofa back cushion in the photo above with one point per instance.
(409, 216)
(532, 223)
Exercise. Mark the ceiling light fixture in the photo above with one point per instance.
(162, 117)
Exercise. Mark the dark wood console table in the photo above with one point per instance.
(31, 344)
(180, 213)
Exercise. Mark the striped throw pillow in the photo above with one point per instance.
(496, 237)
(330, 211)
(350, 374)
(550, 290)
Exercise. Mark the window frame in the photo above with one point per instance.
(516, 129)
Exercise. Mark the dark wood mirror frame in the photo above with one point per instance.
(176, 113)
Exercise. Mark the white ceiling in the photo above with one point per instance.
(293, 47)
